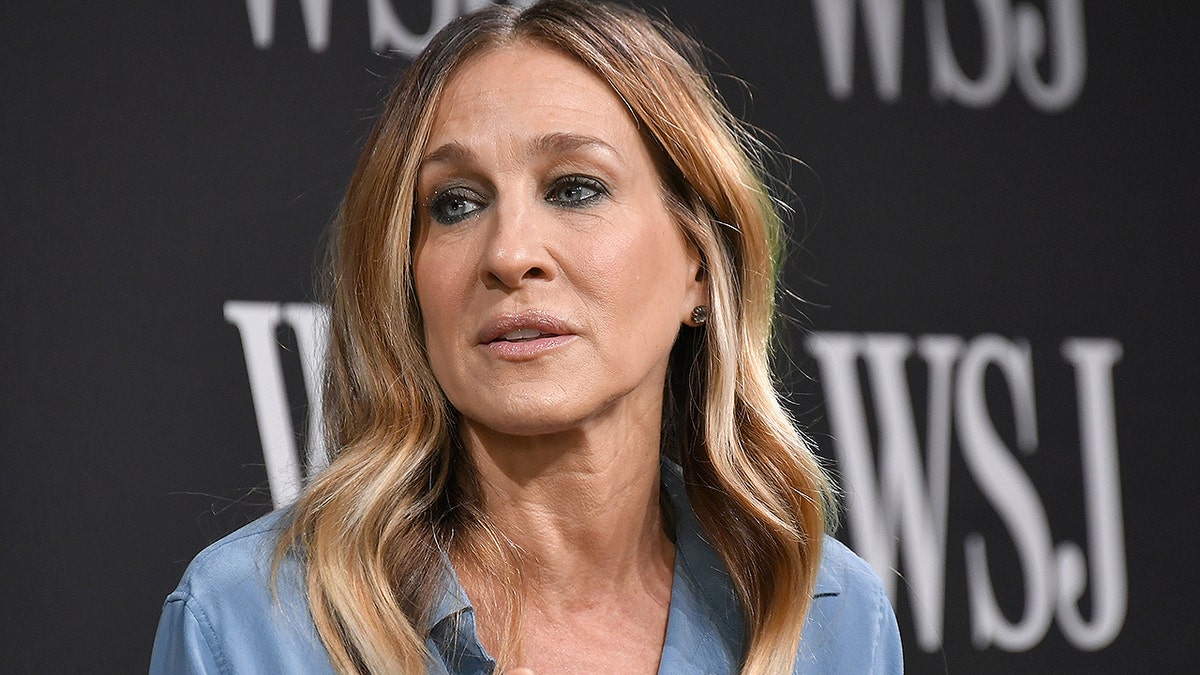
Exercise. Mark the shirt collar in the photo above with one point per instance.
(453, 599)
(451, 634)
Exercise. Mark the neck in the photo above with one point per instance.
(582, 507)
(594, 564)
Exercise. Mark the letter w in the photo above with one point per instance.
(900, 501)
(884, 21)
(316, 22)
(257, 323)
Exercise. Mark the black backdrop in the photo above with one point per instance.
(999, 285)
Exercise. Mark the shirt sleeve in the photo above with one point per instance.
(184, 642)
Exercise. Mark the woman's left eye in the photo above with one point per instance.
(576, 191)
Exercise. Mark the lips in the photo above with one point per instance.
(524, 335)
(523, 327)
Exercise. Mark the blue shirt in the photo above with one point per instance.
(223, 619)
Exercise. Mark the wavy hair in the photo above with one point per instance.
(400, 493)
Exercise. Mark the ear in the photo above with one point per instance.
(696, 294)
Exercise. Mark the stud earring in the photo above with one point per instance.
(700, 315)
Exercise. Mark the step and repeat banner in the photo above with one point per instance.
(991, 313)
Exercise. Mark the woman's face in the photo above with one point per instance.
(551, 278)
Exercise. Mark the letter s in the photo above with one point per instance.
(1009, 489)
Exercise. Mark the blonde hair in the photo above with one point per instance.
(374, 527)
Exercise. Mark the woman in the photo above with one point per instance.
(558, 442)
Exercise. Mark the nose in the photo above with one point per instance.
(516, 248)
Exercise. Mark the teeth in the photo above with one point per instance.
(521, 334)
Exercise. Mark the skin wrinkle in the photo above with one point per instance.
(552, 144)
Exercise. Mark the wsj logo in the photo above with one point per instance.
(1015, 38)
(388, 32)
(896, 499)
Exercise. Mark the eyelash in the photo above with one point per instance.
(444, 198)
(574, 181)
(458, 195)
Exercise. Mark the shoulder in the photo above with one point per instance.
(842, 571)
(851, 626)
(228, 614)
(241, 560)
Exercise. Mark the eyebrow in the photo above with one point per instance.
(563, 143)
(546, 144)
(450, 153)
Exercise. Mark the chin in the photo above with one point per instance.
(526, 415)
(536, 408)
(526, 422)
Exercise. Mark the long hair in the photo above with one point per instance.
(374, 527)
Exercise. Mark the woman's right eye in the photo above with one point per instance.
(454, 205)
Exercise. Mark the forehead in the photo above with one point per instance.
(526, 89)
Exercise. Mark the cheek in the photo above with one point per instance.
(608, 275)
(655, 262)
(641, 274)
(438, 300)
(435, 281)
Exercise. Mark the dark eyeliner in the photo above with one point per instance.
(453, 204)
(598, 190)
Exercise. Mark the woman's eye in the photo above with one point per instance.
(576, 191)
(453, 206)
